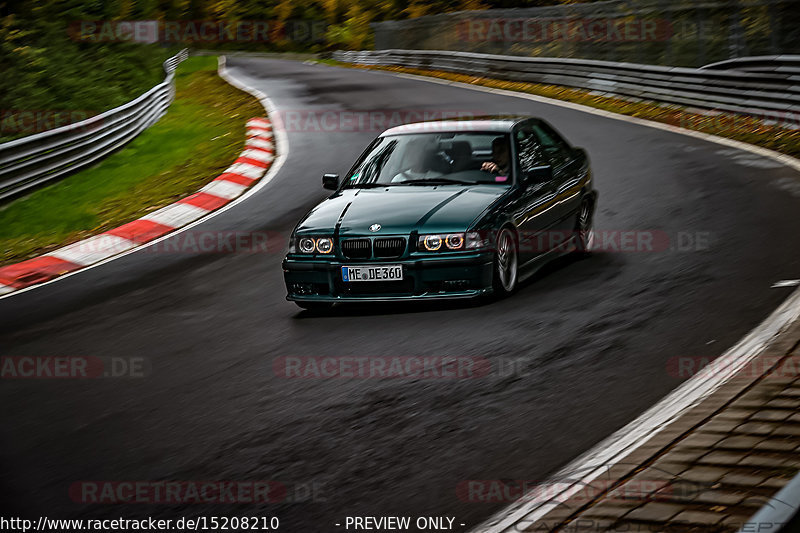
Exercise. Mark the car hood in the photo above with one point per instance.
(402, 209)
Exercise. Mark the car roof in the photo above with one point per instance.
(496, 124)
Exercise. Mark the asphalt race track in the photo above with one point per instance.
(591, 338)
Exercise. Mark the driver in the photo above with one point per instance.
(501, 157)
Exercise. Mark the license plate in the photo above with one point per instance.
(372, 273)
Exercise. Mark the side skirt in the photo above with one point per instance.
(532, 266)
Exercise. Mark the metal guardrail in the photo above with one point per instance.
(785, 65)
(768, 94)
(33, 160)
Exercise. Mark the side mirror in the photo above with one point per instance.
(540, 174)
(330, 181)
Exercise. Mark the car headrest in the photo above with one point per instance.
(461, 153)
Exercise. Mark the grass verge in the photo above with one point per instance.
(200, 136)
(738, 127)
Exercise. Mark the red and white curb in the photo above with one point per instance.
(257, 157)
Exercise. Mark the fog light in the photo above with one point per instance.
(456, 284)
(302, 288)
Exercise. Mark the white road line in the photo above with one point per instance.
(176, 215)
(5, 289)
(786, 283)
(224, 189)
(93, 249)
(282, 143)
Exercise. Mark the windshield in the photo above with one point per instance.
(434, 159)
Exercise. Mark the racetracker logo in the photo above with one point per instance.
(424, 367)
(29, 121)
(713, 121)
(543, 30)
(612, 241)
(770, 367)
(312, 121)
(177, 492)
(507, 491)
(198, 31)
(221, 242)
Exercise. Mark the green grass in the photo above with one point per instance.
(200, 136)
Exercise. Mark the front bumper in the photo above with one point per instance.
(444, 277)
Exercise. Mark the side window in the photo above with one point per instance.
(529, 150)
(552, 143)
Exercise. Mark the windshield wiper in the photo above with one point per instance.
(368, 185)
(435, 181)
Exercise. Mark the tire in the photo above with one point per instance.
(506, 263)
(315, 306)
(584, 232)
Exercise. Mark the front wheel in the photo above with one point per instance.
(505, 263)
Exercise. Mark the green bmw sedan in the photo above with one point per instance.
(445, 209)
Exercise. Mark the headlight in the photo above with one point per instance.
(312, 245)
(307, 245)
(448, 242)
(324, 245)
(454, 241)
(432, 242)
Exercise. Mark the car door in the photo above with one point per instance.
(566, 174)
(535, 215)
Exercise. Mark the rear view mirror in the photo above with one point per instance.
(330, 181)
(540, 174)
